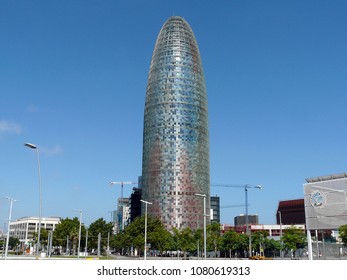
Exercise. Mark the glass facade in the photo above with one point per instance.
(175, 163)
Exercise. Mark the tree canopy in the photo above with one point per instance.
(343, 234)
(293, 238)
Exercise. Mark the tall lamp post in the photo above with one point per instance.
(248, 231)
(203, 196)
(280, 217)
(79, 233)
(32, 146)
(8, 224)
(145, 250)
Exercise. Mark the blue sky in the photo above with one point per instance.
(73, 78)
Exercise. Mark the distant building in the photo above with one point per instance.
(215, 209)
(25, 228)
(135, 204)
(241, 220)
(273, 230)
(122, 214)
(326, 202)
(291, 212)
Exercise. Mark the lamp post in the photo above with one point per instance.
(145, 251)
(248, 231)
(85, 249)
(280, 217)
(204, 197)
(32, 146)
(8, 225)
(79, 233)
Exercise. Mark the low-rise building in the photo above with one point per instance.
(25, 228)
(273, 230)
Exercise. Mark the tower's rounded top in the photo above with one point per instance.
(177, 19)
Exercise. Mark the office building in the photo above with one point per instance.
(135, 204)
(25, 228)
(175, 161)
(215, 209)
(241, 220)
(122, 215)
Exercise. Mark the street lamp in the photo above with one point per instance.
(79, 233)
(248, 231)
(32, 146)
(146, 203)
(204, 196)
(8, 225)
(280, 217)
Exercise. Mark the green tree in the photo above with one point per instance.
(343, 234)
(198, 236)
(271, 247)
(230, 241)
(184, 240)
(259, 241)
(293, 238)
(68, 229)
(243, 243)
(13, 242)
(44, 237)
(100, 226)
(160, 238)
(213, 237)
(133, 236)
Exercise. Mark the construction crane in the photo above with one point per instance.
(245, 187)
(232, 206)
(122, 183)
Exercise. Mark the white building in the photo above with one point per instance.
(25, 228)
(273, 230)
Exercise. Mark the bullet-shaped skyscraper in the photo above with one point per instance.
(175, 160)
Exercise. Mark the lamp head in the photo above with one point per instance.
(31, 146)
(200, 194)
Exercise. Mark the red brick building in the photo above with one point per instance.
(292, 212)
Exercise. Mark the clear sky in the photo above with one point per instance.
(73, 78)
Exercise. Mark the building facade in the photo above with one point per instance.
(241, 220)
(135, 204)
(215, 209)
(25, 228)
(122, 214)
(290, 212)
(273, 230)
(175, 160)
(325, 202)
